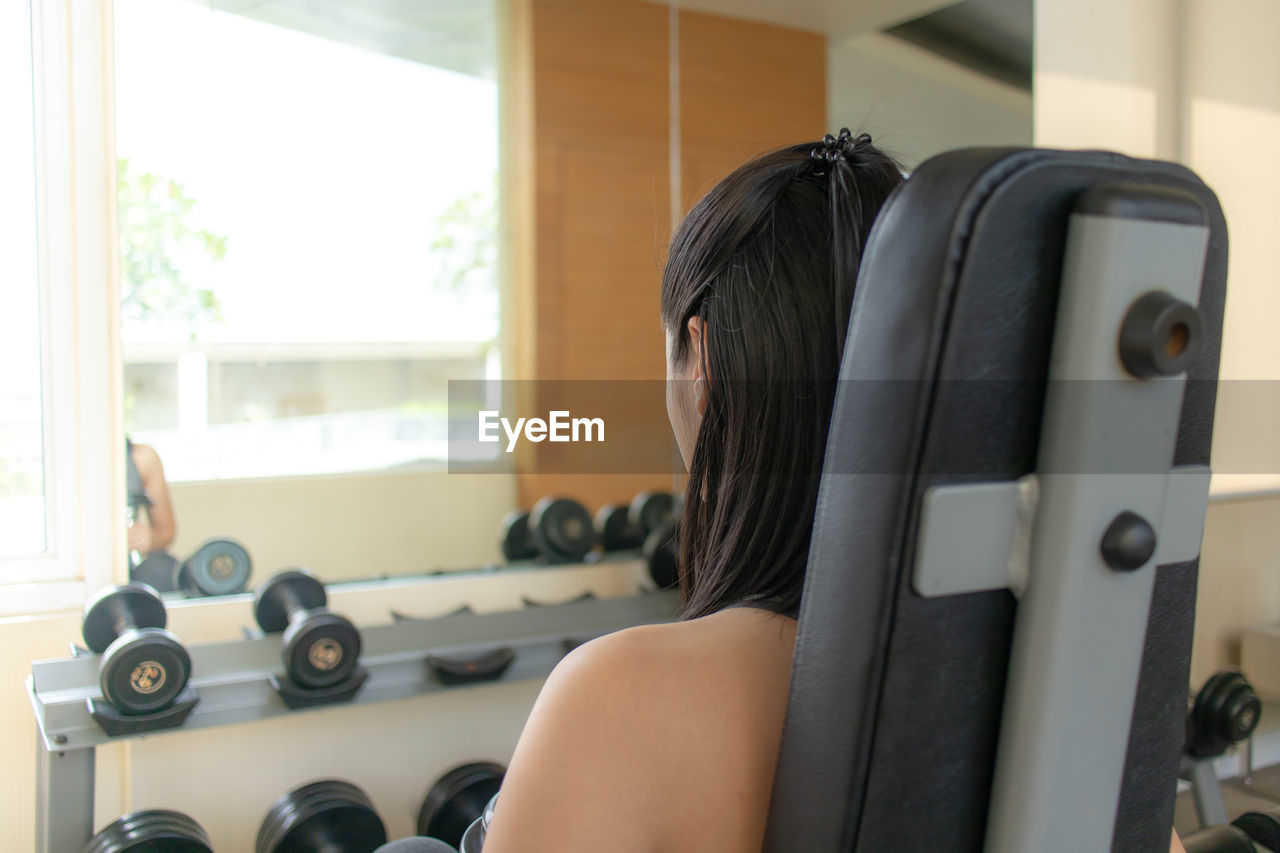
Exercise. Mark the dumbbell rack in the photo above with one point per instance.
(233, 680)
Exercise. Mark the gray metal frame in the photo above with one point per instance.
(1206, 791)
(64, 797)
(232, 680)
(1107, 446)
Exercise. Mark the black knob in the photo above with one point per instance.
(1160, 335)
(1128, 543)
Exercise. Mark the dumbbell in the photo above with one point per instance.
(558, 529)
(143, 667)
(321, 648)
(614, 528)
(457, 799)
(158, 570)
(650, 511)
(1262, 827)
(516, 543)
(329, 815)
(220, 566)
(151, 831)
(623, 527)
(660, 549)
(1225, 711)
(561, 529)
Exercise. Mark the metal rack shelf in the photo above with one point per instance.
(233, 681)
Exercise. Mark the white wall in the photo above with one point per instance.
(1198, 81)
(916, 104)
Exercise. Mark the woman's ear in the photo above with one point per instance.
(698, 361)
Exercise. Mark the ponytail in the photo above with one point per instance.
(768, 259)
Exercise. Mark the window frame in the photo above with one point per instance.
(81, 374)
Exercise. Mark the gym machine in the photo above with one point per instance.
(1022, 433)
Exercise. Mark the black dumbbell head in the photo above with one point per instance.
(110, 607)
(562, 529)
(157, 570)
(660, 553)
(515, 541)
(458, 799)
(321, 650)
(1261, 827)
(326, 815)
(271, 601)
(651, 510)
(220, 566)
(614, 528)
(144, 671)
(1225, 712)
(151, 831)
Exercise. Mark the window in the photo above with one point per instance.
(308, 230)
(22, 457)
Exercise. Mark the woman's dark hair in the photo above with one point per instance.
(767, 260)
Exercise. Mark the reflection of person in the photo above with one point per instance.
(665, 737)
(147, 489)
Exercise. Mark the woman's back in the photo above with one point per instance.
(671, 728)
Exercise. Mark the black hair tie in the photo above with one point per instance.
(839, 148)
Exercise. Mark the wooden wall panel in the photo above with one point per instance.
(593, 173)
(601, 98)
(745, 88)
(614, 240)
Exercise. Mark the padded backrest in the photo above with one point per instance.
(895, 705)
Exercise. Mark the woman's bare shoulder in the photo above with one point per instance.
(628, 722)
(731, 644)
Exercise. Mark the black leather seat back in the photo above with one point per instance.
(895, 704)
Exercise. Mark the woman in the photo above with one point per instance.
(148, 490)
(661, 739)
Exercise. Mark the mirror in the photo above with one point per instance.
(308, 233)
(323, 222)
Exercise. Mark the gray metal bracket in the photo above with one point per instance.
(1106, 455)
(1206, 792)
(977, 536)
(233, 679)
